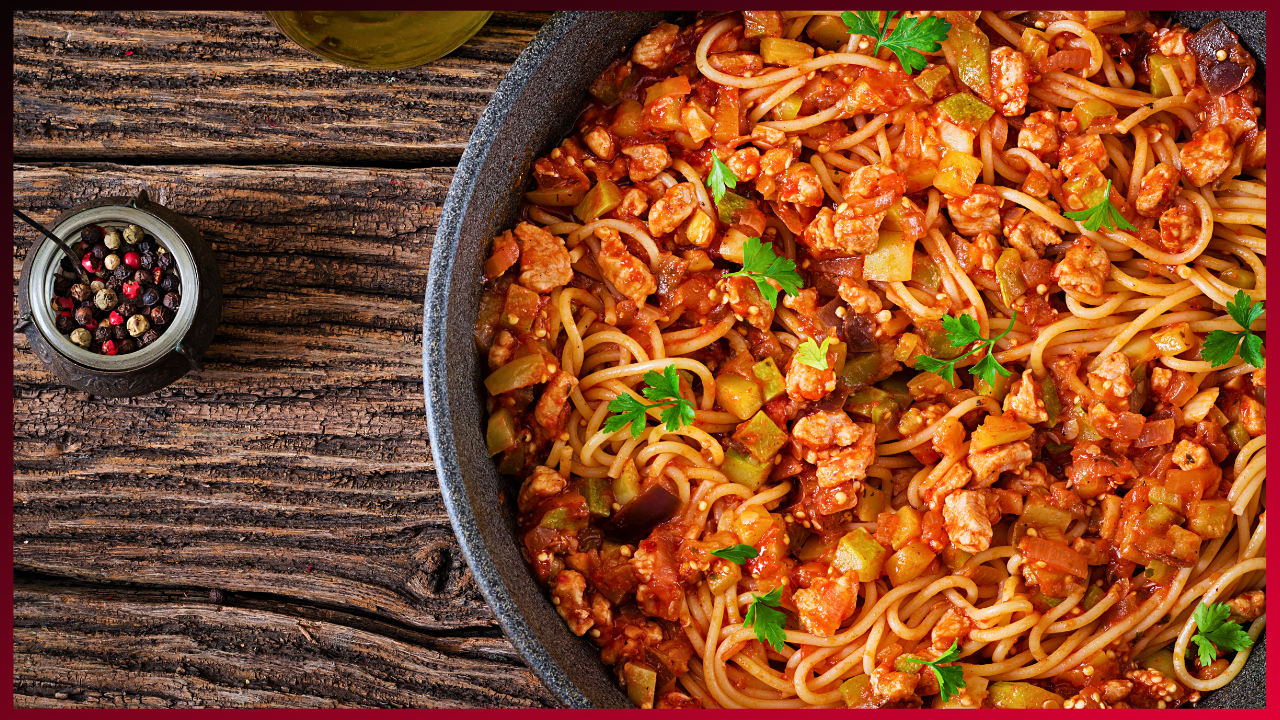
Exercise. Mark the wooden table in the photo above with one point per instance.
(267, 532)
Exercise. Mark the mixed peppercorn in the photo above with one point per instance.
(132, 297)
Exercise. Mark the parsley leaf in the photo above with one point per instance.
(767, 622)
(1100, 215)
(1215, 629)
(812, 355)
(720, 177)
(664, 390)
(1220, 345)
(962, 331)
(950, 677)
(911, 34)
(737, 554)
(761, 264)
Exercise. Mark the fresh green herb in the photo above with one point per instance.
(664, 390)
(1220, 345)
(950, 677)
(761, 264)
(1104, 214)
(812, 355)
(910, 35)
(720, 177)
(961, 331)
(767, 622)
(737, 554)
(1216, 630)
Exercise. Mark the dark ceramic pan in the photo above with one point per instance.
(531, 111)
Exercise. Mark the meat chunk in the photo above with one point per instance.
(800, 185)
(872, 188)
(856, 234)
(1158, 189)
(977, 213)
(837, 467)
(654, 47)
(953, 626)
(622, 269)
(1253, 415)
(841, 448)
(825, 604)
(805, 382)
(600, 142)
(988, 464)
(550, 409)
(745, 164)
(1029, 233)
(862, 299)
(541, 484)
(825, 429)
(1024, 401)
(1084, 268)
(981, 254)
(934, 490)
(1206, 156)
(1039, 133)
(745, 300)
(1248, 606)
(646, 161)
(567, 596)
(634, 202)
(1009, 72)
(544, 260)
(1189, 455)
(1112, 379)
(1152, 689)
(1179, 228)
(968, 526)
(676, 204)
(504, 345)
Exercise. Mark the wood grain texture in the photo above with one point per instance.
(227, 86)
(295, 469)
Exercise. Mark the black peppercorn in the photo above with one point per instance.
(87, 303)
(84, 316)
(142, 277)
(62, 286)
(103, 333)
(119, 332)
(81, 292)
(127, 345)
(127, 308)
(123, 273)
(148, 261)
(102, 273)
(161, 315)
(66, 265)
(169, 283)
(148, 337)
(91, 234)
(146, 245)
(150, 296)
(165, 261)
(100, 251)
(171, 300)
(65, 323)
(115, 283)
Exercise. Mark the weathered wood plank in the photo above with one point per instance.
(87, 646)
(219, 86)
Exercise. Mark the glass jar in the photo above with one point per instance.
(379, 39)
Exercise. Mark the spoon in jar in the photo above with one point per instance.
(75, 261)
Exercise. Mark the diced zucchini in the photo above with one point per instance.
(1052, 407)
(1164, 496)
(1035, 45)
(563, 518)
(744, 469)
(906, 526)
(762, 23)
(642, 684)
(738, 395)
(780, 51)
(1159, 572)
(1087, 111)
(870, 503)
(500, 435)
(860, 554)
(929, 78)
(1043, 516)
(953, 557)
(1009, 274)
(1021, 696)
(771, 381)
(817, 547)
(926, 272)
(600, 199)
(859, 368)
(908, 563)
(998, 430)
(1160, 85)
(599, 495)
(1209, 518)
(627, 485)
(1090, 188)
(1237, 433)
(857, 692)
(761, 436)
(512, 461)
(1159, 518)
(627, 118)
(725, 208)
(522, 372)
(828, 31)
(789, 108)
(723, 576)
(891, 260)
(998, 391)
(972, 50)
(957, 173)
(965, 109)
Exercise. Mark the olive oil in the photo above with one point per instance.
(382, 39)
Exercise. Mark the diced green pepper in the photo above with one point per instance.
(600, 199)
(1159, 518)
(1021, 696)
(870, 503)
(859, 368)
(563, 518)
(512, 461)
(1087, 111)
(1159, 84)
(500, 435)
(728, 205)
(997, 391)
(761, 436)
(874, 404)
(1087, 432)
(627, 485)
(972, 50)
(1090, 187)
(1141, 387)
(1052, 406)
(965, 109)
(771, 381)
(1092, 596)
(744, 469)
(1035, 45)
(929, 78)
(1044, 600)
(926, 272)
(599, 496)
(1237, 432)
(1239, 277)
(1043, 516)
(738, 395)
(860, 554)
(1009, 273)
(723, 576)
(780, 51)
(828, 31)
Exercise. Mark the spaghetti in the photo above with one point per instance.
(1050, 533)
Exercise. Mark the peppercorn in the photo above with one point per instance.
(143, 277)
(133, 260)
(123, 272)
(137, 325)
(91, 326)
(134, 234)
(114, 283)
(164, 261)
(111, 262)
(148, 337)
(81, 337)
(102, 333)
(108, 347)
(171, 300)
(96, 285)
(90, 263)
(156, 274)
(128, 345)
(65, 265)
(84, 316)
(65, 322)
(63, 303)
(147, 245)
(111, 238)
(169, 283)
(81, 292)
(99, 251)
(127, 307)
(131, 289)
(62, 286)
(161, 315)
(106, 299)
(119, 332)
(91, 234)
(102, 274)
(150, 297)
(148, 261)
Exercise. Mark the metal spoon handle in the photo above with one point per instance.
(75, 261)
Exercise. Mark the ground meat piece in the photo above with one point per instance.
(646, 161)
(825, 429)
(1253, 415)
(1151, 689)
(1024, 402)
(1189, 456)
(1079, 152)
(1206, 156)
(1009, 72)
(861, 299)
(872, 188)
(634, 202)
(968, 526)
(622, 269)
(540, 485)
(1171, 41)
(700, 229)
(1112, 379)
(659, 593)
(953, 626)
(654, 47)
(567, 596)
(544, 260)
(934, 491)
(767, 138)
(981, 254)
(1084, 268)
(825, 604)
(1099, 697)
(600, 142)
(800, 185)
(745, 300)
(837, 467)
(1029, 233)
(805, 382)
(676, 700)
(892, 687)
(841, 448)
(1039, 133)
(855, 234)
(504, 345)
(676, 205)
(1158, 189)
(988, 464)
(745, 164)
(1248, 606)
(1179, 227)
(977, 213)
(549, 412)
